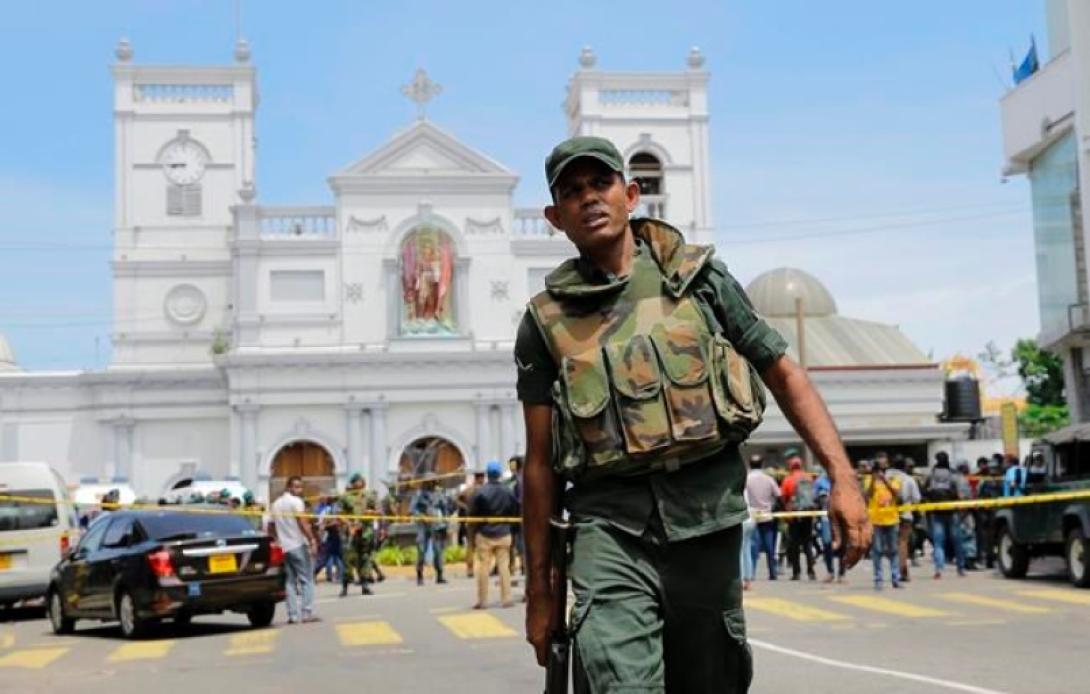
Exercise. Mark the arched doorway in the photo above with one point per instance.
(310, 461)
(429, 455)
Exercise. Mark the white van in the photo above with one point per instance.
(37, 525)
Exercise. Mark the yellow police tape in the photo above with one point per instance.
(966, 505)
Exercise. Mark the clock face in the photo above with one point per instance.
(183, 162)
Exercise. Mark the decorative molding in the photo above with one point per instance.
(185, 304)
(476, 226)
(353, 292)
(499, 290)
(376, 225)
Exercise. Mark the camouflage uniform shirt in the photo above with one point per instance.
(702, 497)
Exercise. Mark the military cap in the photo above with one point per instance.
(791, 453)
(356, 477)
(577, 147)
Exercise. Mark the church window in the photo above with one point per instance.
(427, 267)
(646, 170)
(183, 200)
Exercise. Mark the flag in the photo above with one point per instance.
(1028, 66)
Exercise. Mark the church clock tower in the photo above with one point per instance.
(184, 155)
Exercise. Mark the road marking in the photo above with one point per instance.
(252, 642)
(1069, 596)
(31, 658)
(792, 610)
(948, 684)
(476, 625)
(889, 606)
(367, 634)
(994, 603)
(144, 650)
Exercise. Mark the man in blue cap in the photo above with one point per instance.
(493, 539)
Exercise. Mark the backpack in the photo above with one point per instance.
(941, 487)
(804, 498)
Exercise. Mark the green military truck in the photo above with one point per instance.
(1059, 462)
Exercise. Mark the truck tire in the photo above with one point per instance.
(1013, 558)
(1077, 554)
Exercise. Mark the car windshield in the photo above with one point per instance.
(35, 508)
(164, 527)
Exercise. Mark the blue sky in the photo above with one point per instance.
(881, 118)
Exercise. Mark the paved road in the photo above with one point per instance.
(981, 633)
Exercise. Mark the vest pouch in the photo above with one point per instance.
(586, 387)
(683, 351)
(739, 395)
(634, 374)
(569, 453)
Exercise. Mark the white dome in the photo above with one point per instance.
(773, 293)
(7, 357)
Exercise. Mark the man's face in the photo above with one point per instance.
(296, 488)
(591, 204)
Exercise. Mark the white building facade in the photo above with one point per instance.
(1046, 136)
(373, 335)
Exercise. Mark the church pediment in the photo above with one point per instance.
(424, 150)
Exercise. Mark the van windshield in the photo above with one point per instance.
(35, 508)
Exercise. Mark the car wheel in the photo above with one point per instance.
(183, 620)
(132, 625)
(1013, 557)
(261, 614)
(61, 623)
(1077, 553)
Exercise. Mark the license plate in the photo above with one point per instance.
(222, 564)
(194, 590)
(5, 561)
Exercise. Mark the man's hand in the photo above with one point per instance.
(850, 523)
(538, 618)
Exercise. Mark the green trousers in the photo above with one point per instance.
(654, 617)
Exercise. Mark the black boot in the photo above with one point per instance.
(378, 573)
(367, 590)
(419, 577)
(439, 578)
(344, 587)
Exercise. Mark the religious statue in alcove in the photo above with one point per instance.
(427, 273)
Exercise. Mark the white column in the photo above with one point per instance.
(507, 431)
(378, 445)
(123, 427)
(484, 434)
(247, 450)
(354, 421)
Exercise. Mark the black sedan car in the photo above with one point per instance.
(137, 567)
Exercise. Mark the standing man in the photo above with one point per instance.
(492, 546)
(514, 463)
(431, 528)
(642, 340)
(297, 540)
(762, 493)
(990, 487)
(941, 485)
(883, 493)
(910, 494)
(1014, 476)
(797, 490)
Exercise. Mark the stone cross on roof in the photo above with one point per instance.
(420, 91)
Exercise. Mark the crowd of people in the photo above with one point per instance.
(900, 536)
(347, 530)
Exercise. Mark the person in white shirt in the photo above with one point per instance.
(761, 495)
(299, 545)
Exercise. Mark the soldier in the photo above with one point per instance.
(639, 348)
(361, 542)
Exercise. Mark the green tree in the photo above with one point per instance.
(1042, 373)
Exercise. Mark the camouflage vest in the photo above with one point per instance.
(644, 385)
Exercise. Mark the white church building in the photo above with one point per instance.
(375, 335)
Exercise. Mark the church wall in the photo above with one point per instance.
(407, 422)
(166, 448)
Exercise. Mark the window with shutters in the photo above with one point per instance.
(184, 201)
(646, 170)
